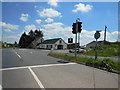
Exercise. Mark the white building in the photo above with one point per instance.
(57, 43)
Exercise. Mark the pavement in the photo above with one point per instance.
(32, 68)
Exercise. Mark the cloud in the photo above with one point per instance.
(88, 36)
(59, 30)
(9, 26)
(49, 20)
(11, 38)
(53, 3)
(38, 21)
(56, 30)
(30, 27)
(53, 25)
(24, 17)
(35, 6)
(49, 12)
(82, 8)
(8, 30)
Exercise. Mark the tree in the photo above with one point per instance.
(26, 40)
(31, 33)
(40, 34)
(15, 44)
(23, 40)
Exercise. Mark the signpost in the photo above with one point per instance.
(96, 36)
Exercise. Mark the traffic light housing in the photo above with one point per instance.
(74, 28)
(79, 26)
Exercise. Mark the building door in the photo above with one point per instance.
(60, 46)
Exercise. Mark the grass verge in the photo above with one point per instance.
(106, 64)
(108, 49)
(102, 53)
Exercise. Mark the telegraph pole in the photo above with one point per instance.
(105, 34)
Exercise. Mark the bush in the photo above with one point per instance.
(89, 62)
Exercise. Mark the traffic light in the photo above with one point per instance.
(74, 28)
(79, 26)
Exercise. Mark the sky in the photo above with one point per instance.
(55, 19)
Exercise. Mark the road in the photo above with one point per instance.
(32, 68)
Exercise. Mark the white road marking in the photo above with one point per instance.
(31, 52)
(22, 49)
(36, 66)
(13, 68)
(0, 87)
(51, 65)
(36, 78)
(18, 54)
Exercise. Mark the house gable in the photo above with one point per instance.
(57, 43)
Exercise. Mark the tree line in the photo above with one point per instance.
(27, 39)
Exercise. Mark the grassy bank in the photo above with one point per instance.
(109, 49)
(5, 47)
(99, 63)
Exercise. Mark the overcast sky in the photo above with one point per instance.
(55, 19)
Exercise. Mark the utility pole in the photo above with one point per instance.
(105, 33)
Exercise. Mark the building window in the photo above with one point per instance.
(47, 46)
(60, 41)
(51, 46)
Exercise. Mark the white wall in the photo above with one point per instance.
(54, 46)
(62, 43)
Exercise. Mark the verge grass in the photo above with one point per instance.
(107, 50)
(99, 63)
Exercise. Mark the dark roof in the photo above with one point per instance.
(99, 42)
(50, 41)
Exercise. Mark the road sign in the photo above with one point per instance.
(97, 35)
(70, 40)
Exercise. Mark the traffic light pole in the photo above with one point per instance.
(75, 45)
(79, 40)
(76, 39)
(77, 29)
